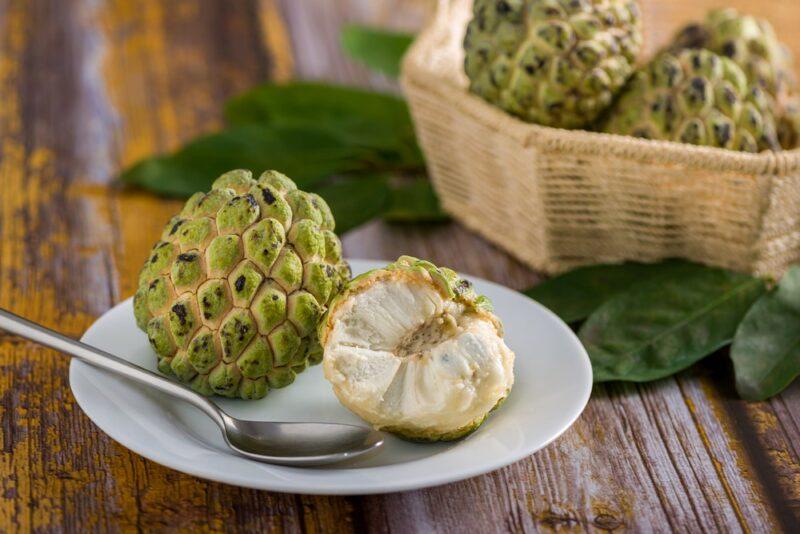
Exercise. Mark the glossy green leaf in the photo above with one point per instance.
(379, 50)
(305, 154)
(355, 200)
(414, 201)
(575, 294)
(359, 117)
(766, 348)
(662, 326)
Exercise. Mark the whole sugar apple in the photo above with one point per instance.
(552, 62)
(752, 44)
(413, 350)
(232, 294)
(695, 97)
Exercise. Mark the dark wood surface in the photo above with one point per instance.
(88, 86)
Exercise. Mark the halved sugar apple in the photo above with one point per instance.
(552, 62)
(232, 294)
(412, 350)
(695, 97)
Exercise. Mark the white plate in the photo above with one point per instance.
(552, 386)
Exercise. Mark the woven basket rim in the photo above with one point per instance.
(416, 72)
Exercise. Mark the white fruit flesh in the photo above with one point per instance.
(401, 355)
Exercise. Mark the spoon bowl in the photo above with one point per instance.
(297, 444)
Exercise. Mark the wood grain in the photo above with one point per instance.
(88, 87)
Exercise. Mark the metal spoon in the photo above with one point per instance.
(298, 444)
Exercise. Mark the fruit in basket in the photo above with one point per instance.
(232, 294)
(552, 62)
(696, 97)
(752, 44)
(412, 350)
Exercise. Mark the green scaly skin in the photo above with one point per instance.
(231, 295)
(752, 44)
(551, 62)
(695, 97)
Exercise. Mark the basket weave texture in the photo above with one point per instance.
(557, 199)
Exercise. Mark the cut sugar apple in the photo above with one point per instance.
(232, 294)
(413, 351)
(552, 62)
(696, 97)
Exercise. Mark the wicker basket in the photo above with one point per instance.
(557, 199)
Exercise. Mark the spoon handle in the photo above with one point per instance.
(37, 333)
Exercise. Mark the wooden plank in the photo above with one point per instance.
(656, 456)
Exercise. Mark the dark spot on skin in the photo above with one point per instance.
(191, 256)
(180, 311)
(530, 69)
(329, 270)
(723, 133)
(176, 226)
(251, 200)
(239, 284)
(154, 258)
(729, 49)
(502, 7)
(268, 197)
(154, 283)
(218, 291)
(696, 61)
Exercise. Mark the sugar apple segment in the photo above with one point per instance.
(411, 349)
(232, 294)
(552, 62)
(695, 97)
(752, 44)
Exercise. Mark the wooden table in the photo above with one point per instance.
(88, 86)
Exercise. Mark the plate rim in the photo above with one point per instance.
(280, 485)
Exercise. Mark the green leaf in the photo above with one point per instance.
(305, 154)
(355, 200)
(766, 348)
(379, 50)
(365, 118)
(414, 201)
(662, 326)
(574, 295)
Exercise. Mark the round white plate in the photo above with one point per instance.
(552, 386)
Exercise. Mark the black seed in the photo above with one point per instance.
(268, 197)
(239, 284)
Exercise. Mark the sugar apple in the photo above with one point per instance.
(552, 62)
(751, 43)
(414, 351)
(695, 97)
(231, 295)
